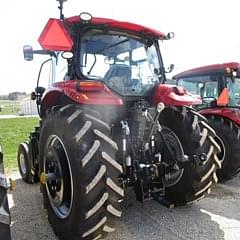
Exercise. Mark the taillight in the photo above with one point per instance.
(90, 86)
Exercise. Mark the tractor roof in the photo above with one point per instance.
(122, 25)
(204, 70)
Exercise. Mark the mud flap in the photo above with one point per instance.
(5, 219)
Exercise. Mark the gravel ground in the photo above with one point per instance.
(215, 217)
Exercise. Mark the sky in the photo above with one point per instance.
(206, 32)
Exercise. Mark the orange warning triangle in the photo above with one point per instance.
(55, 36)
(223, 99)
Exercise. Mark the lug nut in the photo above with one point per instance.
(202, 157)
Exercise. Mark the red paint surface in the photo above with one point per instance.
(230, 113)
(170, 96)
(55, 37)
(87, 94)
(206, 69)
(121, 25)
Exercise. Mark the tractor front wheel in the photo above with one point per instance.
(24, 163)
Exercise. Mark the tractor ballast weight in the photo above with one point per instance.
(5, 219)
(218, 86)
(108, 123)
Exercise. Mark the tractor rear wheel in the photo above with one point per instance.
(229, 134)
(79, 173)
(199, 146)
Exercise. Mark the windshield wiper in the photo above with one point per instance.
(95, 60)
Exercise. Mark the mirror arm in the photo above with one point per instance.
(45, 52)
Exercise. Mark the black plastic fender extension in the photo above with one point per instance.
(5, 218)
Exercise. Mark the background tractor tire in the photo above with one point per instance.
(83, 201)
(24, 163)
(229, 133)
(197, 139)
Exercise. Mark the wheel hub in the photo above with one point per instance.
(54, 177)
(22, 163)
(173, 172)
(57, 177)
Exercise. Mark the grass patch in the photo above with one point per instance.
(9, 107)
(12, 133)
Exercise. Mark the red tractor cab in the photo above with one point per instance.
(107, 123)
(218, 86)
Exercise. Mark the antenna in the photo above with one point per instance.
(61, 8)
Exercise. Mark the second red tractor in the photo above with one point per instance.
(218, 86)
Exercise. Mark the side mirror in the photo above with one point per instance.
(28, 52)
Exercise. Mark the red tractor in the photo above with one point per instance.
(107, 123)
(219, 87)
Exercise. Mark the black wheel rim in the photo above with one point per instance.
(59, 181)
(172, 177)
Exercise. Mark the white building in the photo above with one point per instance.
(28, 106)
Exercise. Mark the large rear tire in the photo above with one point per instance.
(77, 156)
(229, 134)
(197, 140)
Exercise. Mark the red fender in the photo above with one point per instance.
(81, 92)
(174, 96)
(232, 114)
(51, 98)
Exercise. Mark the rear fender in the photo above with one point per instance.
(174, 96)
(51, 98)
(232, 114)
(80, 92)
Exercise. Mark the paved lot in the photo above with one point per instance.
(214, 218)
